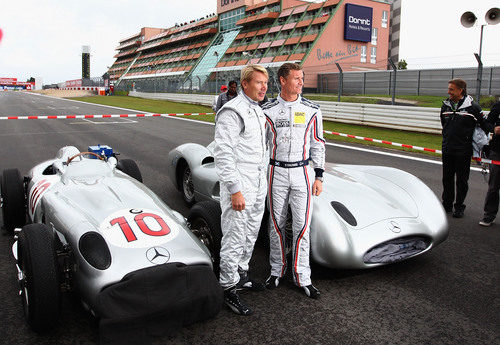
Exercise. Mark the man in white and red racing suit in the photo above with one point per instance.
(295, 140)
(241, 163)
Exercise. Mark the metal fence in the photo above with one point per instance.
(432, 82)
(184, 84)
(416, 119)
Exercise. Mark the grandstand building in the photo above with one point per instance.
(212, 50)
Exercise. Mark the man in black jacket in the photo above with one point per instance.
(459, 116)
(492, 196)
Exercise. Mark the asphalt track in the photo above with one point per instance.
(448, 296)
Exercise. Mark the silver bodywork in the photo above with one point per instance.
(387, 204)
(91, 195)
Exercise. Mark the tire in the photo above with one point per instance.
(187, 187)
(204, 220)
(40, 283)
(129, 167)
(13, 201)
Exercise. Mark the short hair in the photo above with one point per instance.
(461, 84)
(285, 69)
(246, 72)
(232, 82)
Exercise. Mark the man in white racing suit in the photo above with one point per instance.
(241, 163)
(295, 137)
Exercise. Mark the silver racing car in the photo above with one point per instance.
(367, 216)
(96, 229)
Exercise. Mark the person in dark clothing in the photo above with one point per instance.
(459, 117)
(492, 196)
(225, 97)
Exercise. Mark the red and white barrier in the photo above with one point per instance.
(384, 142)
(51, 117)
(82, 88)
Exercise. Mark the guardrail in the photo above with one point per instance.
(418, 119)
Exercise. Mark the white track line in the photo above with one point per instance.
(330, 144)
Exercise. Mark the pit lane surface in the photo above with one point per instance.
(447, 296)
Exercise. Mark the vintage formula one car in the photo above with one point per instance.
(367, 216)
(95, 228)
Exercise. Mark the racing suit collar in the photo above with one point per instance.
(252, 102)
(299, 97)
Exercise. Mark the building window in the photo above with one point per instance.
(363, 53)
(374, 36)
(384, 19)
(373, 55)
(227, 20)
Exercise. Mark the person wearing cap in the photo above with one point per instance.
(228, 95)
(223, 89)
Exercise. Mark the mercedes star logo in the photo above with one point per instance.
(394, 227)
(158, 255)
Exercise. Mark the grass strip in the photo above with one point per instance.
(432, 141)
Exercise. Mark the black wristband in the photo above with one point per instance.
(319, 172)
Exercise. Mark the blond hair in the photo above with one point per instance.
(246, 72)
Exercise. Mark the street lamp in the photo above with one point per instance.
(216, 59)
(468, 20)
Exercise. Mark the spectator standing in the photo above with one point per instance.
(225, 97)
(223, 89)
(492, 196)
(459, 116)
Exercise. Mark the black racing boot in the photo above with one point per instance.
(233, 301)
(247, 283)
(311, 291)
(272, 282)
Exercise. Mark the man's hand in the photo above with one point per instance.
(238, 201)
(497, 130)
(317, 187)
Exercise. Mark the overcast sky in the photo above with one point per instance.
(45, 38)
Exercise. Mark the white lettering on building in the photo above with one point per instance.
(359, 21)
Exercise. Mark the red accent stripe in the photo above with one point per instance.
(407, 146)
(52, 117)
(276, 228)
(89, 116)
(123, 115)
(141, 115)
(387, 142)
(107, 115)
(71, 116)
(156, 114)
(304, 228)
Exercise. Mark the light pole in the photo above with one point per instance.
(216, 59)
(468, 20)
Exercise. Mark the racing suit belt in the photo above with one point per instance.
(282, 164)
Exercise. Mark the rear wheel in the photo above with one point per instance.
(129, 167)
(13, 203)
(204, 220)
(40, 278)
(187, 186)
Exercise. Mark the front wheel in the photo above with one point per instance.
(129, 167)
(204, 220)
(40, 279)
(13, 209)
(187, 186)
